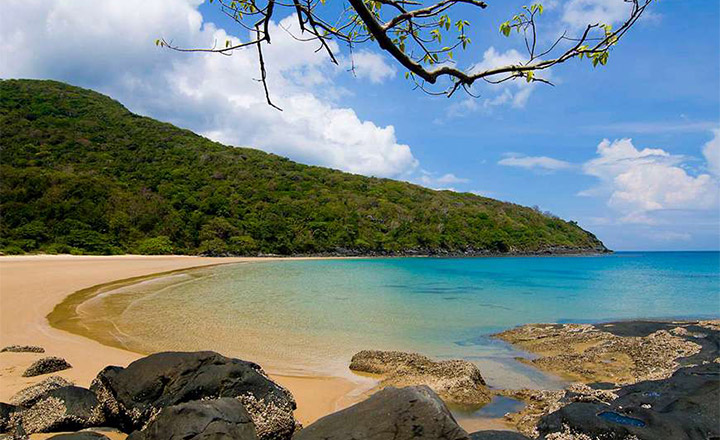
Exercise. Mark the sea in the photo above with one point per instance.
(311, 316)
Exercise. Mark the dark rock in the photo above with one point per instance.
(224, 418)
(132, 396)
(23, 349)
(497, 435)
(684, 406)
(7, 412)
(82, 435)
(28, 396)
(63, 409)
(390, 414)
(46, 365)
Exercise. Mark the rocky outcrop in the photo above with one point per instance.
(684, 406)
(63, 409)
(390, 414)
(22, 349)
(28, 396)
(46, 365)
(132, 396)
(224, 418)
(592, 353)
(455, 381)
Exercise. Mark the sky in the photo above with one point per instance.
(631, 150)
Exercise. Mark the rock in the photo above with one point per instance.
(23, 349)
(683, 406)
(63, 409)
(132, 396)
(224, 418)
(81, 435)
(28, 396)
(455, 381)
(390, 414)
(7, 413)
(497, 435)
(46, 365)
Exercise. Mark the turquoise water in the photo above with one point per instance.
(313, 315)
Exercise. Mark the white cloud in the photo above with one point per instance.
(371, 66)
(536, 162)
(580, 13)
(639, 182)
(109, 46)
(430, 180)
(711, 151)
(514, 92)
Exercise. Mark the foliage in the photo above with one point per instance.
(81, 174)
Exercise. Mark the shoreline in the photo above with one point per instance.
(32, 286)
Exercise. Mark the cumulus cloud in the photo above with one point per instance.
(711, 151)
(536, 162)
(515, 92)
(639, 182)
(580, 13)
(109, 46)
(371, 66)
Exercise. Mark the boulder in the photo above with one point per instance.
(497, 435)
(23, 349)
(224, 418)
(28, 396)
(455, 381)
(682, 406)
(46, 365)
(63, 409)
(132, 396)
(390, 414)
(7, 413)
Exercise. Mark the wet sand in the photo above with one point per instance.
(31, 287)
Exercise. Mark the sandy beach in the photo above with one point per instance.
(31, 286)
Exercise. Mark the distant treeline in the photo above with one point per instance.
(81, 174)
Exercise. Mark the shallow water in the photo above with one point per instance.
(312, 316)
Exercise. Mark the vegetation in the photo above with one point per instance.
(81, 174)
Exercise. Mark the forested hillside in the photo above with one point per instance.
(81, 174)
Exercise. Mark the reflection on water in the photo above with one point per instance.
(300, 316)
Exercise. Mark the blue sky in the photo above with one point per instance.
(630, 150)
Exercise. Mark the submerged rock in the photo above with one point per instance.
(28, 396)
(23, 349)
(684, 406)
(132, 396)
(455, 381)
(390, 414)
(497, 435)
(63, 409)
(46, 365)
(81, 435)
(224, 418)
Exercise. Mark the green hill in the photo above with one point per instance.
(81, 174)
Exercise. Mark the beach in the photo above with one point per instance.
(31, 286)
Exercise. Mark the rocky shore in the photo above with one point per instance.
(666, 385)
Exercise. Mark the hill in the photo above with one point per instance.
(80, 173)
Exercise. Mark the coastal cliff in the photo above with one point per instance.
(82, 174)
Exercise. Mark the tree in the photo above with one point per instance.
(421, 37)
